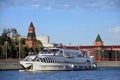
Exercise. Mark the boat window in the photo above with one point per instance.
(44, 51)
(53, 60)
(67, 54)
(61, 52)
(72, 53)
(44, 60)
(50, 51)
(79, 55)
(55, 50)
(41, 60)
(50, 60)
(37, 59)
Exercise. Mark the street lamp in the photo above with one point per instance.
(19, 47)
(6, 49)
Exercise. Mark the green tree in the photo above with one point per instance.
(22, 41)
(39, 46)
(1, 51)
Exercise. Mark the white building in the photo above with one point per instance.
(45, 41)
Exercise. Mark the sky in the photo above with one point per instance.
(75, 22)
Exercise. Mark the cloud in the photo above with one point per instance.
(49, 8)
(85, 4)
(36, 5)
(115, 29)
(65, 5)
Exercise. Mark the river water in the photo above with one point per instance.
(99, 74)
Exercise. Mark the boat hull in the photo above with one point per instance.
(39, 66)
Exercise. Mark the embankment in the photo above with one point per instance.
(108, 64)
(10, 65)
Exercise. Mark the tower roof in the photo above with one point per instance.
(31, 24)
(98, 39)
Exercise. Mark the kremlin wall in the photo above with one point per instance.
(99, 51)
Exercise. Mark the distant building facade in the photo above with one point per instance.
(100, 51)
(45, 41)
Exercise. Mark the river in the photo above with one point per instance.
(98, 74)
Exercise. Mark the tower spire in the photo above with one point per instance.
(98, 41)
(31, 24)
(31, 37)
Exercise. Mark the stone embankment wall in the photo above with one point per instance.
(108, 64)
(10, 65)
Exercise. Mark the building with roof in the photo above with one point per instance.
(45, 41)
(99, 51)
(31, 40)
(31, 37)
(98, 41)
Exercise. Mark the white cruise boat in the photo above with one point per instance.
(58, 59)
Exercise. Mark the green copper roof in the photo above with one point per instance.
(98, 39)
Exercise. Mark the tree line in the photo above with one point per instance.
(12, 46)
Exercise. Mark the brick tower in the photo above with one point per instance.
(31, 37)
(98, 41)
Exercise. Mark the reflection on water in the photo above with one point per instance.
(99, 74)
